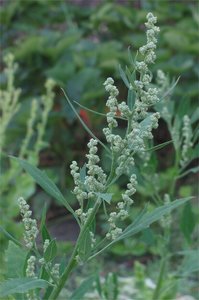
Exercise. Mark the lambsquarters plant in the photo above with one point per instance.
(38, 275)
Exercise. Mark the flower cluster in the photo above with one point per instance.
(122, 209)
(94, 181)
(9, 103)
(139, 130)
(148, 49)
(30, 224)
(46, 244)
(96, 178)
(187, 143)
(55, 271)
(165, 221)
(29, 132)
(30, 269)
(146, 95)
(111, 102)
(47, 103)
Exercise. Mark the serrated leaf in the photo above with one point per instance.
(46, 183)
(105, 196)
(84, 287)
(51, 251)
(21, 285)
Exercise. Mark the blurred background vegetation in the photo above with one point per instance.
(79, 43)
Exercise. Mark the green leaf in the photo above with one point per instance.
(85, 246)
(46, 183)
(144, 221)
(124, 78)
(85, 286)
(187, 223)
(105, 196)
(82, 122)
(195, 116)
(160, 146)
(190, 263)
(21, 285)
(151, 217)
(131, 98)
(111, 286)
(44, 231)
(170, 90)
(15, 259)
(10, 237)
(88, 109)
(51, 251)
(192, 170)
(44, 274)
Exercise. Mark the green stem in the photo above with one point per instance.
(72, 262)
(156, 294)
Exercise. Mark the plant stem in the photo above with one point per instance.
(72, 262)
(156, 293)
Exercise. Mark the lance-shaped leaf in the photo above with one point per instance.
(144, 221)
(21, 285)
(46, 183)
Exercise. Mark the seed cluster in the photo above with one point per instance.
(30, 225)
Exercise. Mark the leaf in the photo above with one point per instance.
(88, 109)
(85, 246)
(144, 221)
(151, 217)
(15, 258)
(192, 170)
(131, 98)
(170, 90)
(21, 285)
(10, 237)
(83, 288)
(51, 251)
(82, 122)
(105, 196)
(160, 146)
(187, 223)
(111, 286)
(46, 183)
(44, 231)
(195, 116)
(124, 78)
(190, 263)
